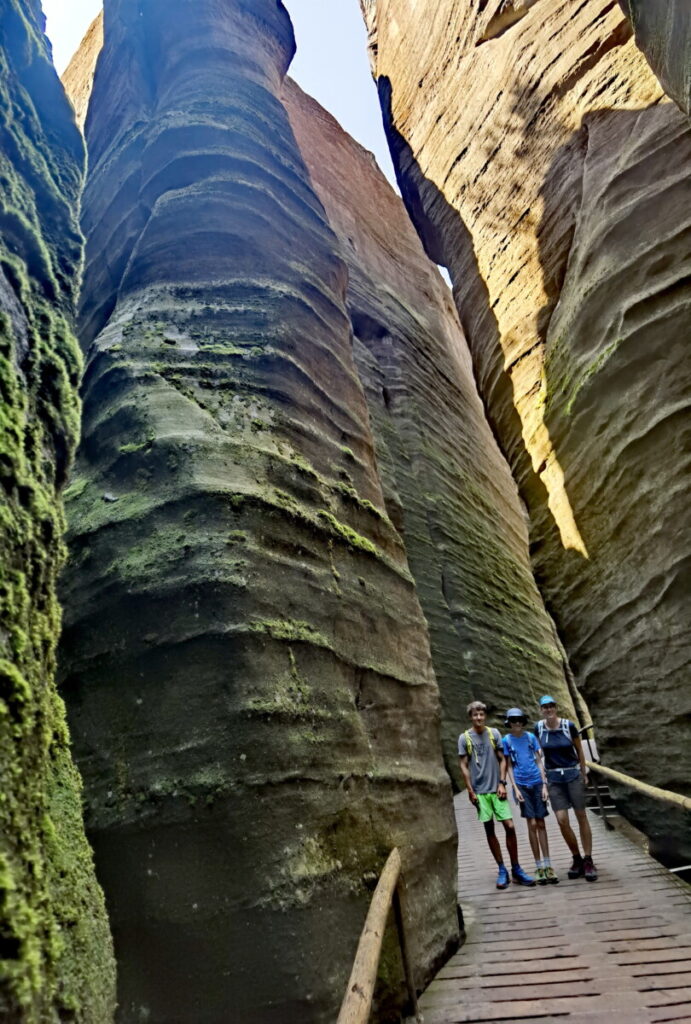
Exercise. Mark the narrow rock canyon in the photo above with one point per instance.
(318, 502)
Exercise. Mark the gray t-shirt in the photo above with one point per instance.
(484, 767)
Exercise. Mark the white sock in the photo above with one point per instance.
(547, 863)
(538, 863)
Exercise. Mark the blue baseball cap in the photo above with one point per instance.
(547, 700)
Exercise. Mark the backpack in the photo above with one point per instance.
(564, 725)
(471, 746)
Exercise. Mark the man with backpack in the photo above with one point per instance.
(566, 778)
(483, 767)
(527, 776)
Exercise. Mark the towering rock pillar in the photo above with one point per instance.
(544, 166)
(55, 950)
(246, 662)
(447, 486)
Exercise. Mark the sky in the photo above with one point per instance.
(331, 63)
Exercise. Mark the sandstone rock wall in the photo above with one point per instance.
(78, 78)
(543, 164)
(245, 658)
(662, 30)
(446, 486)
(56, 958)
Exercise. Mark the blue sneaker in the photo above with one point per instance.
(502, 878)
(519, 876)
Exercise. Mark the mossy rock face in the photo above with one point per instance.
(56, 960)
(246, 663)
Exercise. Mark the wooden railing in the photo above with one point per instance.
(357, 1002)
(642, 787)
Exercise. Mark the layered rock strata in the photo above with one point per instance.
(446, 486)
(542, 163)
(662, 30)
(245, 658)
(56, 958)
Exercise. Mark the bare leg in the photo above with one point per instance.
(586, 834)
(567, 832)
(493, 842)
(542, 836)
(532, 838)
(511, 841)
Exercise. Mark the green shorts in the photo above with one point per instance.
(490, 806)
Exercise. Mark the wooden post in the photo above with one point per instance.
(399, 914)
(642, 787)
(357, 1002)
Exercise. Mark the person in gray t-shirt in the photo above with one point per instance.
(483, 767)
(482, 758)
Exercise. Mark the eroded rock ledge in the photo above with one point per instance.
(56, 958)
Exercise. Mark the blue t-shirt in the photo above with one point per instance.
(521, 751)
(558, 749)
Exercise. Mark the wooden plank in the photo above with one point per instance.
(607, 952)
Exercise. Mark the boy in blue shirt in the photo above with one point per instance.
(527, 775)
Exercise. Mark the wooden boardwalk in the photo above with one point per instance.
(615, 950)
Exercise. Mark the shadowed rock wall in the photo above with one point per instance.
(246, 662)
(55, 950)
(542, 163)
(447, 487)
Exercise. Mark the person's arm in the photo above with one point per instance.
(465, 772)
(576, 740)
(501, 788)
(540, 760)
(517, 795)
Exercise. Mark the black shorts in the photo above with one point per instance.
(532, 805)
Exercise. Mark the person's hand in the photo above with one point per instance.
(584, 776)
(501, 791)
(472, 797)
(545, 792)
(518, 796)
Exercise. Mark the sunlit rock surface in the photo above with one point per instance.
(663, 31)
(78, 78)
(543, 164)
(446, 485)
(56, 958)
(246, 662)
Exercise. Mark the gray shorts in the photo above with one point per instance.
(563, 795)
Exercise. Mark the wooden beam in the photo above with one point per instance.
(357, 1002)
(642, 787)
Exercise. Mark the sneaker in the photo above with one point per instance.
(551, 876)
(589, 870)
(576, 869)
(540, 876)
(502, 877)
(519, 876)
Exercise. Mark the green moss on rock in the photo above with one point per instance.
(56, 958)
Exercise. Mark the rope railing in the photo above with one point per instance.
(357, 1002)
(654, 792)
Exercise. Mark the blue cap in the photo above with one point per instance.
(547, 700)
